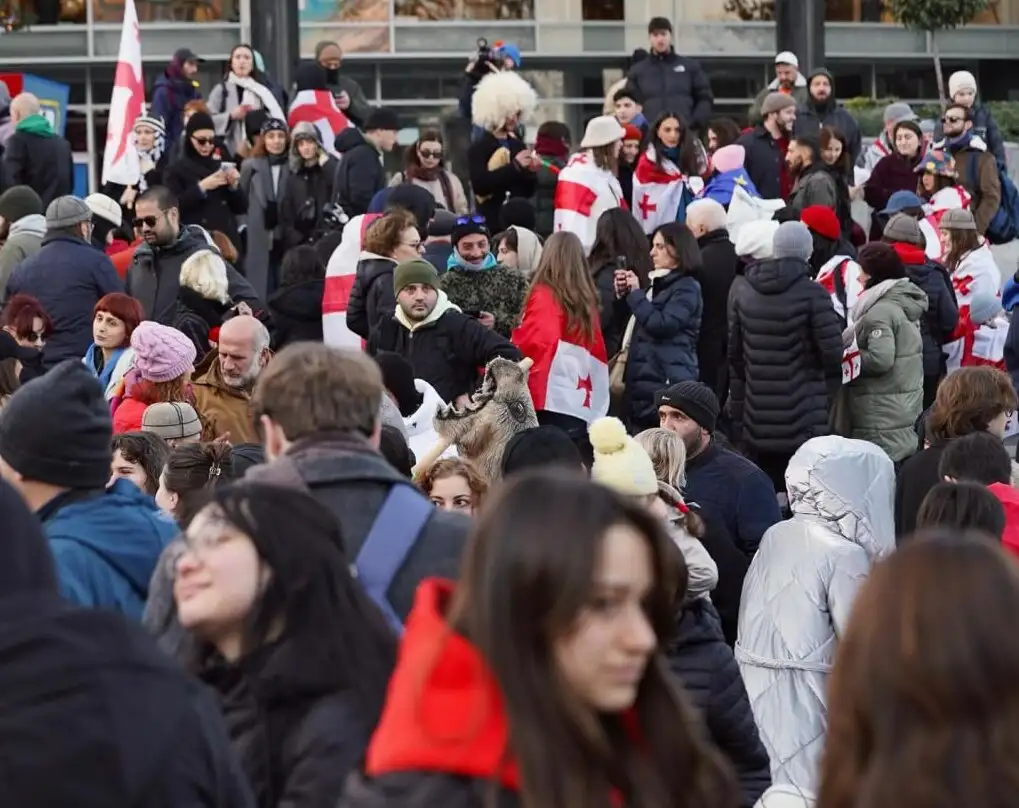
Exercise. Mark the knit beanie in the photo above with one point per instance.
(903, 229)
(540, 447)
(776, 102)
(620, 463)
(984, 307)
(382, 119)
(793, 240)
(198, 121)
(469, 226)
(822, 220)
(961, 80)
(416, 270)
(756, 240)
(161, 353)
(398, 379)
(695, 400)
(57, 429)
(66, 211)
(880, 262)
(728, 158)
(19, 202)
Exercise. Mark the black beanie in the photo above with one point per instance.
(540, 447)
(517, 211)
(57, 429)
(382, 119)
(695, 400)
(398, 379)
(393, 447)
(20, 201)
(198, 121)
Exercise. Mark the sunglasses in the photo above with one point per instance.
(952, 119)
(145, 221)
(475, 219)
(203, 141)
(426, 153)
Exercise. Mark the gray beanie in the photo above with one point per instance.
(67, 211)
(903, 229)
(793, 240)
(984, 307)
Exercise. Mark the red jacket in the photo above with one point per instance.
(1009, 499)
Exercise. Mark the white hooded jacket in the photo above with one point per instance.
(799, 590)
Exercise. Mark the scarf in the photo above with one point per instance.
(553, 147)
(456, 261)
(257, 96)
(438, 173)
(148, 159)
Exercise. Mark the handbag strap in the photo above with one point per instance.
(628, 334)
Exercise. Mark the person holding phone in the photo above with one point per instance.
(206, 186)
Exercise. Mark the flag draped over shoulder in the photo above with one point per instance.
(659, 193)
(340, 274)
(570, 374)
(582, 194)
(840, 277)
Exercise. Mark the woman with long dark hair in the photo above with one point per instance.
(297, 653)
(924, 696)
(424, 164)
(617, 235)
(242, 90)
(668, 174)
(540, 676)
(837, 158)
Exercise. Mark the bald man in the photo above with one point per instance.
(34, 154)
(225, 378)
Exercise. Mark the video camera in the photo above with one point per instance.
(486, 56)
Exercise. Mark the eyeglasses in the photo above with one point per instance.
(952, 119)
(462, 220)
(146, 221)
(426, 153)
(203, 141)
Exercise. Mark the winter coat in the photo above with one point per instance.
(798, 93)
(170, 93)
(495, 175)
(938, 324)
(799, 592)
(265, 186)
(977, 171)
(810, 118)
(985, 127)
(785, 352)
(154, 276)
(68, 276)
(544, 196)
(297, 313)
(704, 663)
(672, 83)
(114, 371)
(295, 734)
(663, 350)
(892, 173)
(105, 545)
(781, 795)
(438, 253)
(764, 161)
(372, 299)
(614, 311)
(359, 108)
(458, 203)
(197, 317)
(309, 190)
(887, 397)
(215, 210)
(734, 492)
(732, 566)
(360, 175)
(918, 475)
(445, 349)
(24, 239)
(222, 408)
(715, 275)
(815, 186)
(499, 290)
(38, 157)
(227, 95)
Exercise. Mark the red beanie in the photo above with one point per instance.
(632, 132)
(823, 221)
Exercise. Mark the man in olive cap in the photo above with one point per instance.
(443, 345)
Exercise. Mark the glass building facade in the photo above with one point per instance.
(410, 54)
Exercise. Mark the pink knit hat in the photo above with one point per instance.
(161, 353)
(728, 158)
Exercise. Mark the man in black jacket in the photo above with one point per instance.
(822, 109)
(766, 146)
(361, 174)
(443, 345)
(671, 83)
(34, 154)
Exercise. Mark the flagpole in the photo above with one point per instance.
(90, 131)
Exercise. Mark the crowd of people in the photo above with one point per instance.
(636, 472)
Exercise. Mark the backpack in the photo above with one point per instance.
(1004, 225)
(397, 526)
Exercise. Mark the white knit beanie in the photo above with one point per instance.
(961, 80)
(756, 239)
(620, 463)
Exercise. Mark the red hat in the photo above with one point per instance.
(823, 221)
(632, 132)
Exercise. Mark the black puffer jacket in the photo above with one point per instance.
(360, 175)
(711, 677)
(716, 274)
(372, 299)
(295, 735)
(785, 355)
(673, 83)
(942, 315)
(663, 349)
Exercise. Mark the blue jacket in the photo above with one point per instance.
(721, 186)
(67, 276)
(169, 95)
(105, 548)
(663, 349)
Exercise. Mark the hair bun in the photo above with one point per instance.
(608, 436)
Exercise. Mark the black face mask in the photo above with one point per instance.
(332, 75)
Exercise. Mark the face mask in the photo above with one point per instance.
(332, 75)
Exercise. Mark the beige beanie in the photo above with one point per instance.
(620, 463)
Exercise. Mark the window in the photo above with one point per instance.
(465, 9)
(365, 25)
(163, 10)
(603, 10)
(735, 80)
(852, 79)
(407, 80)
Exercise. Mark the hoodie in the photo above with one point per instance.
(35, 125)
(105, 545)
(24, 240)
(812, 115)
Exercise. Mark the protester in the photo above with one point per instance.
(886, 144)
(424, 165)
(552, 146)
(35, 155)
(822, 109)
(726, 173)
(962, 90)
(162, 367)
(348, 93)
(242, 90)
(296, 306)
(176, 422)
(174, 90)
(417, 401)
(110, 355)
(961, 506)
(438, 241)
(896, 171)
(518, 248)
(148, 135)
(311, 187)
(541, 447)
(360, 174)
(835, 156)
(454, 485)
(22, 228)
(976, 167)
(767, 145)
(265, 176)
(788, 81)
(203, 299)
(628, 107)
(813, 183)
(139, 457)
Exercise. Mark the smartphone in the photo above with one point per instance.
(227, 166)
(621, 263)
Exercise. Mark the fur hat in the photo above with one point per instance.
(204, 272)
(620, 463)
(499, 96)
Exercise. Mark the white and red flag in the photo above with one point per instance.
(318, 107)
(570, 374)
(657, 192)
(582, 194)
(340, 273)
(120, 159)
(840, 277)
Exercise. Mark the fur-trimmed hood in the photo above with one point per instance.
(499, 96)
(303, 131)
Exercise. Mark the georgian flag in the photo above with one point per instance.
(977, 346)
(340, 273)
(952, 198)
(318, 107)
(570, 375)
(658, 192)
(849, 271)
(583, 193)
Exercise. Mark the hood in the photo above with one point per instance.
(35, 125)
(528, 249)
(419, 422)
(34, 225)
(442, 305)
(349, 139)
(822, 71)
(849, 485)
(301, 302)
(123, 526)
(776, 275)
(444, 712)
(902, 292)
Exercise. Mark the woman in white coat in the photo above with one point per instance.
(799, 590)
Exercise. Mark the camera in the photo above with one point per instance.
(334, 217)
(486, 56)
